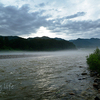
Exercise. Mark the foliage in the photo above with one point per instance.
(93, 60)
(34, 44)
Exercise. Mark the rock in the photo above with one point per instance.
(96, 98)
(84, 73)
(98, 75)
(72, 93)
(95, 85)
(79, 79)
(63, 95)
(82, 78)
(80, 67)
(98, 90)
(68, 81)
(97, 80)
(83, 93)
(93, 73)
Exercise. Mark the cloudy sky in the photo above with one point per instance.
(68, 19)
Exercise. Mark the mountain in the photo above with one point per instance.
(34, 44)
(9, 37)
(58, 38)
(86, 43)
(45, 37)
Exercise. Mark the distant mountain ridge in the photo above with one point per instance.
(34, 44)
(86, 43)
(45, 37)
(40, 43)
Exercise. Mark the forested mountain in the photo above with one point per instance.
(86, 43)
(34, 44)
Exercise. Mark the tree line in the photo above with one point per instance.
(34, 44)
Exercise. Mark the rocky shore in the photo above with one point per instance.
(95, 86)
(96, 83)
(81, 86)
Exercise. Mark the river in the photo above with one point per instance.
(45, 76)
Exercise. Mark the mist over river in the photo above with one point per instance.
(45, 76)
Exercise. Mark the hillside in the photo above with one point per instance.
(34, 44)
(86, 43)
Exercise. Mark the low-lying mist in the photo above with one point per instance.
(12, 54)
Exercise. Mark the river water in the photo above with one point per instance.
(45, 76)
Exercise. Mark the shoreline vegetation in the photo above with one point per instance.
(11, 43)
(93, 60)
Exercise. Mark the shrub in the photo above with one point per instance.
(93, 60)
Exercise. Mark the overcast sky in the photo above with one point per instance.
(68, 19)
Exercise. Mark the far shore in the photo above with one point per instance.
(16, 56)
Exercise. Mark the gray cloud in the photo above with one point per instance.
(78, 14)
(42, 4)
(80, 28)
(18, 21)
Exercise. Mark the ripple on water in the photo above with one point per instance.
(53, 76)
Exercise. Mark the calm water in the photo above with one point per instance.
(45, 76)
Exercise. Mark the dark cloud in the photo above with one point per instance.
(42, 4)
(82, 26)
(76, 27)
(18, 21)
(78, 14)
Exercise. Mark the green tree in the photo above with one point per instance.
(93, 60)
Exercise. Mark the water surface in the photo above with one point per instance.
(45, 76)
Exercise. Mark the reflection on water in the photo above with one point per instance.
(45, 76)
